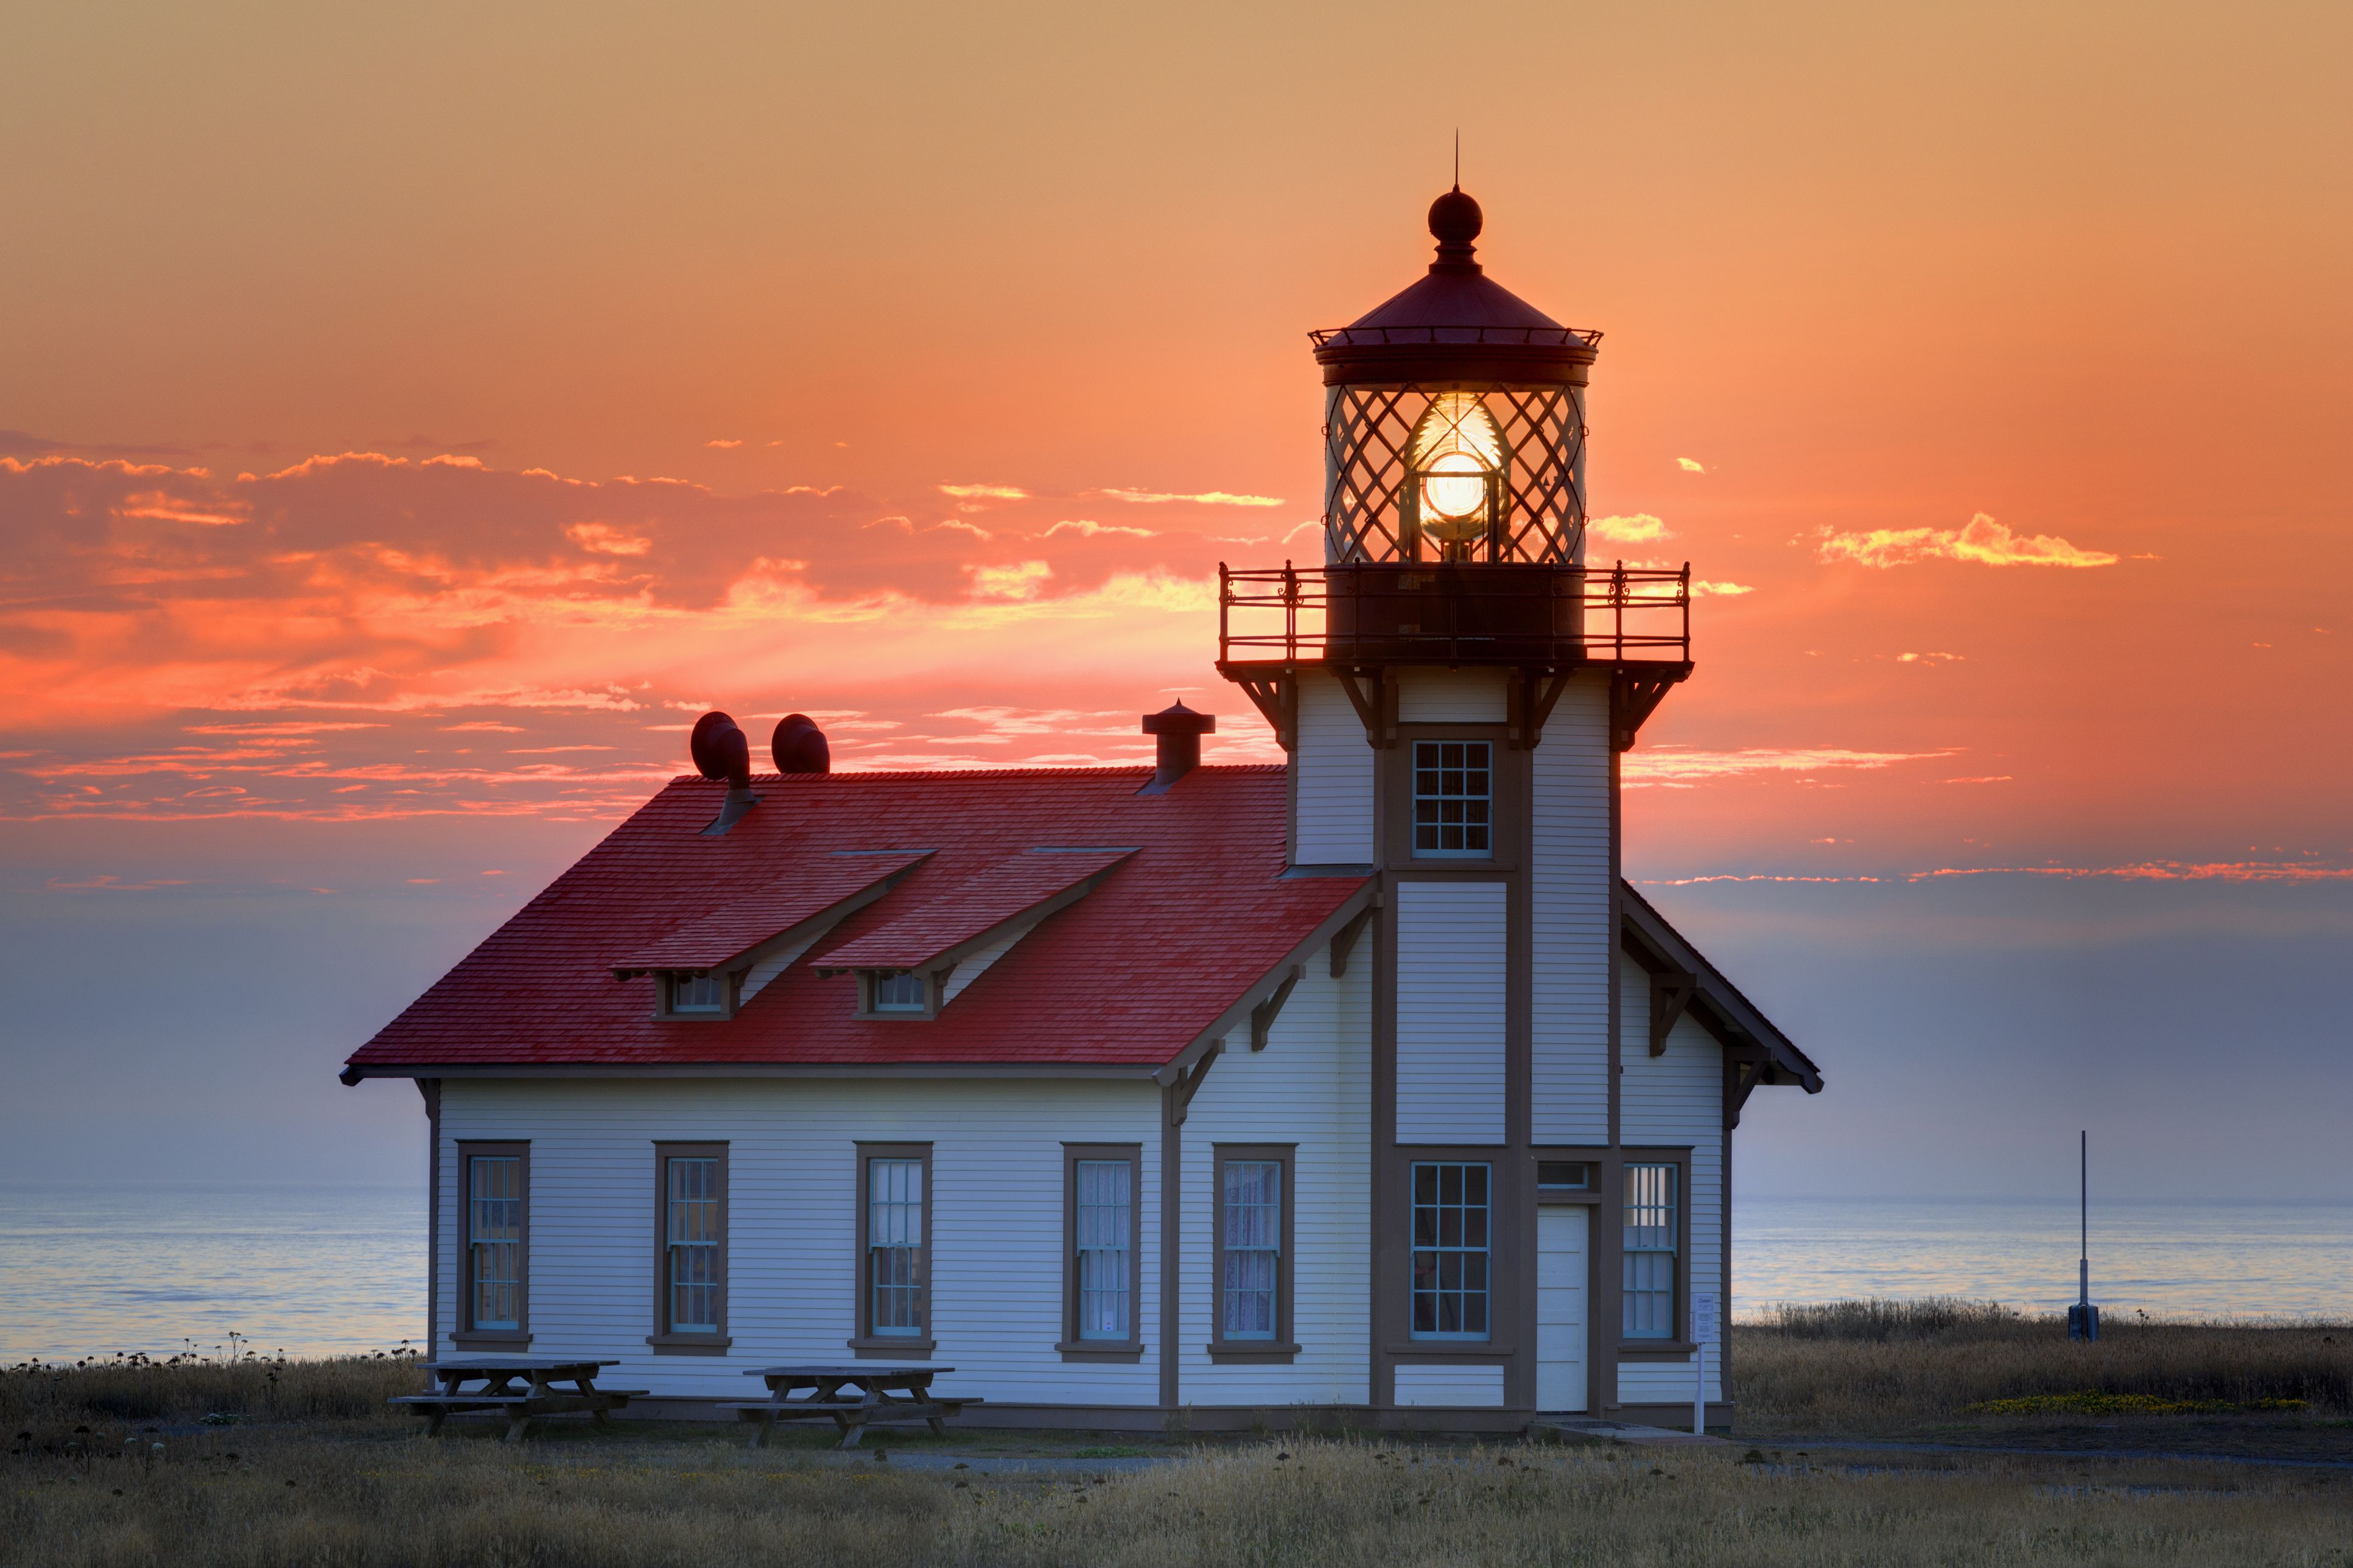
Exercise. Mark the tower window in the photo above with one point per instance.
(1454, 798)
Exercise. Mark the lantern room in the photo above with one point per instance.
(1454, 419)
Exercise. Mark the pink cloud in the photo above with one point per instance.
(1983, 541)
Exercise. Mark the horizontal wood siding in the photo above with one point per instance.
(997, 1225)
(1670, 1100)
(1451, 695)
(1569, 919)
(1449, 1012)
(1332, 776)
(1467, 1387)
(1313, 1086)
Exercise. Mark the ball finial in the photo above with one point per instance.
(1455, 218)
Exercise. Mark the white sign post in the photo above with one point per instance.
(1702, 1335)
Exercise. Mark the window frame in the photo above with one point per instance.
(1508, 783)
(464, 1335)
(1071, 1347)
(868, 1344)
(1282, 1348)
(731, 988)
(1677, 1344)
(1491, 1288)
(665, 1340)
(933, 982)
(1414, 796)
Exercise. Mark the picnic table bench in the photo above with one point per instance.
(879, 1395)
(523, 1387)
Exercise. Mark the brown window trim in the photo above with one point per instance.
(1680, 1346)
(465, 1335)
(1072, 1346)
(1508, 783)
(1282, 1350)
(935, 983)
(868, 1344)
(1503, 1263)
(731, 996)
(664, 1339)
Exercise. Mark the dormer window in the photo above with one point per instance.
(898, 993)
(698, 994)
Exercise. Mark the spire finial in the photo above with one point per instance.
(1458, 157)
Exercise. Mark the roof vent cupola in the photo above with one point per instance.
(1179, 730)
(721, 752)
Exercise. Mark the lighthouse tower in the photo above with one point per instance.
(1454, 684)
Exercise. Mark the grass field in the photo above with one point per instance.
(117, 1467)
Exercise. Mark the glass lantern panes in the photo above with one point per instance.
(692, 1206)
(1449, 1251)
(1454, 796)
(1105, 1223)
(1250, 1210)
(894, 1244)
(1375, 475)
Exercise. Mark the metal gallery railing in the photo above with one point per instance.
(1474, 614)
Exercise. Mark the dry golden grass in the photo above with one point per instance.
(135, 1388)
(1873, 1367)
(370, 1499)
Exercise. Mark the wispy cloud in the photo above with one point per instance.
(1022, 580)
(984, 492)
(1203, 497)
(724, 446)
(1691, 465)
(1689, 765)
(1090, 528)
(604, 539)
(1700, 588)
(1930, 658)
(1640, 528)
(1983, 541)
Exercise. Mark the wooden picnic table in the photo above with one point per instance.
(853, 1397)
(523, 1387)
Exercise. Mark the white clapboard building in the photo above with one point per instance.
(1360, 1086)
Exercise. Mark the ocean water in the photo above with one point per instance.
(87, 1271)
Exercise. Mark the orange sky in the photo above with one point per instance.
(915, 366)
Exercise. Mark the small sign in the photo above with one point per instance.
(1703, 1317)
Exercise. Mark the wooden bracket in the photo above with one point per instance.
(1670, 992)
(1343, 942)
(1372, 693)
(1634, 698)
(1276, 698)
(1189, 1082)
(1530, 697)
(1262, 1017)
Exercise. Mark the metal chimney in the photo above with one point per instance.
(1179, 730)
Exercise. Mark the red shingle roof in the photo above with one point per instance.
(1175, 936)
(798, 892)
(954, 914)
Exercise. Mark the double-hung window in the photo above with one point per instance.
(898, 993)
(1453, 799)
(1451, 1253)
(496, 1266)
(896, 1244)
(1651, 1212)
(691, 1261)
(1102, 1264)
(1253, 1301)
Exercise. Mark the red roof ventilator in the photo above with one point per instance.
(721, 752)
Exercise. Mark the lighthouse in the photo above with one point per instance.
(1454, 684)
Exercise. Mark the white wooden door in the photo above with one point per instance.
(1560, 1307)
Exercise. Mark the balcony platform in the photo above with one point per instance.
(1545, 624)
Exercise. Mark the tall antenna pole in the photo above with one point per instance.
(1458, 157)
(2084, 1190)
